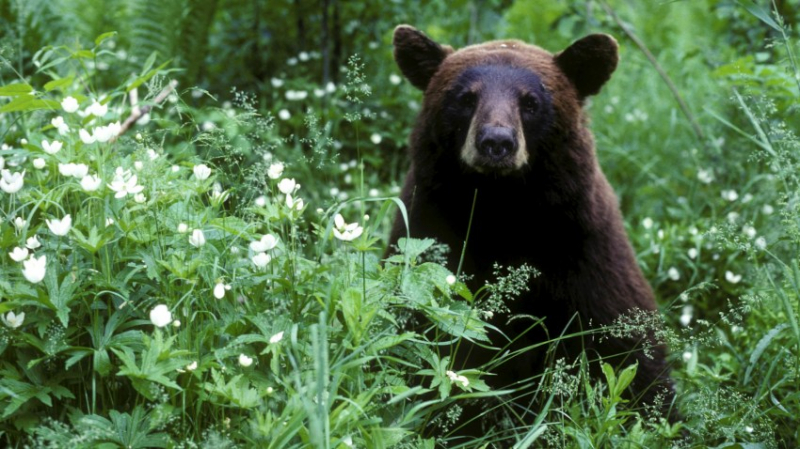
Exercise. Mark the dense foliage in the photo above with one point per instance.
(212, 274)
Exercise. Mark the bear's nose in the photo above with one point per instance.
(496, 142)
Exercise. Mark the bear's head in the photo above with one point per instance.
(504, 108)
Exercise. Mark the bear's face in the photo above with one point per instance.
(503, 107)
(496, 116)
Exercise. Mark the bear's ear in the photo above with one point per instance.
(589, 62)
(417, 55)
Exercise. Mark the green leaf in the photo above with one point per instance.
(60, 295)
(59, 83)
(13, 90)
(29, 103)
(99, 39)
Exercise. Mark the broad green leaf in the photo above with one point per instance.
(59, 83)
(29, 103)
(13, 90)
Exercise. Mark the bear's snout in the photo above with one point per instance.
(496, 142)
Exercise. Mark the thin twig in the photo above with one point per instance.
(138, 112)
(667, 80)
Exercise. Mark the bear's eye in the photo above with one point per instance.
(529, 104)
(468, 100)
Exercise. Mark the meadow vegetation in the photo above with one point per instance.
(212, 273)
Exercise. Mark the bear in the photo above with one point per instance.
(503, 171)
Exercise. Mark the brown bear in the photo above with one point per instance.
(502, 131)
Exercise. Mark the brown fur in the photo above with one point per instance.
(575, 237)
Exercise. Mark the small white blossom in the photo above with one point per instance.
(139, 198)
(12, 320)
(32, 243)
(732, 278)
(330, 87)
(176, 323)
(686, 315)
(673, 274)
(96, 109)
(39, 163)
(69, 105)
(687, 355)
(52, 147)
(276, 82)
(457, 378)
(201, 172)
(151, 154)
(245, 361)
(192, 366)
(86, 137)
(767, 209)
(692, 253)
(34, 269)
(138, 165)
(705, 176)
(80, 171)
(294, 204)
(287, 186)
(90, 183)
(261, 260)
(395, 79)
(276, 338)
(19, 223)
(109, 221)
(647, 222)
(261, 201)
(160, 316)
(275, 170)
(197, 239)
(373, 192)
(60, 227)
(450, 279)
(59, 124)
(124, 187)
(344, 231)
(284, 114)
(761, 243)
(730, 195)
(12, 182)
(376, 138)
(749, 231)
(183, 228)
(266, 243)
(220, 289)
(18, 254)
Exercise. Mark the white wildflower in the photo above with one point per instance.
(52, 147)
(197, 239)
(732, 278)
(201, 172)
(34, 269)
(160, 316)
(69, 105)
(266, 243)
(90, 183)
(344, 231)
(13, 320)
(18, 254)
(60, 227)
(39, 163)
(275, 170)
(245, 361)
(287, 186)
(276, 338)
(261, 260)
(32, 242)
(12, 182)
